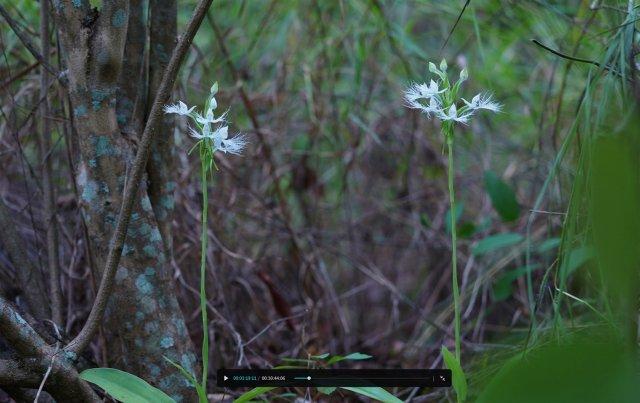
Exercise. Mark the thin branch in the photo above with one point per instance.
(455, 24)
(577, 59)
(564, 56)
(44, 148)
(26, 41)
(83, 339)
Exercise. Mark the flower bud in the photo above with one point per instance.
(214, 88)
(443, 65)
(464, 75)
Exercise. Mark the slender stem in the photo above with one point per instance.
(454, 253)
(203, 267)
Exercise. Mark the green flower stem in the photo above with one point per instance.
(203, 266)
(454, 255)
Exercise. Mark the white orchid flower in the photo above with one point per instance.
(211, 132)
(179, 108)
(220, 139)
(440, 97)
(421, 91)
(483, 101)
(210, 117)
(452, 114)
(434, 106)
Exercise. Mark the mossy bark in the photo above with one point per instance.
(108, 93)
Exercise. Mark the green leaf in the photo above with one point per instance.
(459, 381)
(424, 220)
(502, 286)
(566, 371)
(495, 242)
(576, 258)
(327, 390)
(548, 245)
(502, 197)
(253, 393)
(466, 229)
(357, 356)
(202, 395)
(320, 357)
(124, 386)
(352, 356)
(374, 392)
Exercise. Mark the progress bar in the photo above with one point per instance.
(250, 378)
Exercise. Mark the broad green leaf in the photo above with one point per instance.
(502, 197)
(374, 392)
(502, 286)
(568, 371)
(495, 242)
(124, 386)
(253, 393)
(320, 357)
(576, 258)
(327, 390)
(548, 245)
(459, 381)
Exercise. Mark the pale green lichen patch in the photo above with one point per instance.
(80, 111)
(151, 251)
(119, 18)
(151, 327)
(122, 274)
(170, 186)
(90, 192)
(155, 235)
(167, 202)
(166, 342)
(180, 326)
(98, 97)
(148, 304)
(127, 250)
(143, 285)
(70, 356)
(154, 370)
(103, 147)
(187, 360)
(146, 204)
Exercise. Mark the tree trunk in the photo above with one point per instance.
(108, 88)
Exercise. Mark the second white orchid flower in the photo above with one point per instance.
(440, 98)
(213, 139)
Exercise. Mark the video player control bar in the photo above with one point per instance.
(241, 378)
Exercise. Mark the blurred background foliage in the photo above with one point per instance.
(330, 234)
